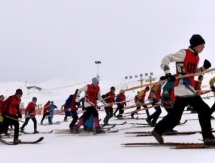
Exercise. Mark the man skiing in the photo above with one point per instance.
(93, 93)
(109, 98)
(71, 106)
(30, 114)
(46, 114)
(140, 101)
(186, 63)
(154, 97)
(12, 114)
(120, 99)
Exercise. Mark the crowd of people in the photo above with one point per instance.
(172, 92)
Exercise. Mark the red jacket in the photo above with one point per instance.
(31, 108)
(155, 92)
(73, 103)
(190, 65)
(1, 107)
(12, 105)
(92, 93)
(46, 107)
(198, 85)
(120, 99)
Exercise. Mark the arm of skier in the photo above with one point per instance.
(79, 92)
(99, 97)
(176, 57)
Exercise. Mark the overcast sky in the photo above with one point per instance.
(45, 39)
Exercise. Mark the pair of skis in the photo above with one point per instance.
(172, 145)
(41, 132)
(21, 142)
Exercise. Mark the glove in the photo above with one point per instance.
(77, 100)
(166, 98)
(154, 101)
(19, 115)
(206, 64)
(170, 78)
(77, 103)
(212, 88)
(69, 109)
(105, 104)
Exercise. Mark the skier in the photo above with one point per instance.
(52, 107)
(154, 97)
(109, 98)
(12, 114)
(140, 101)
(30, 114)
(93, 93)
(46, 113)
(186, 63)
(72, 106)
(120, 99)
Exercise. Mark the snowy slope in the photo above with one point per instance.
(104, 148)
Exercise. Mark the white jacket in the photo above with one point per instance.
(181, 89)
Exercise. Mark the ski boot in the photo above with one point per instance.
(21, 129)
(74, 129)
(16, 141)
(158, 137)
(98, 130)
(208, 141)
(148, 121)
(36, 132)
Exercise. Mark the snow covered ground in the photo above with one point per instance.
(104, 148)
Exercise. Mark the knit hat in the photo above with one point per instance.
(147, 88)
(112, 88)
(121, 91)
(19, 91)
(34, 98)
(95, 80)
(196, 40)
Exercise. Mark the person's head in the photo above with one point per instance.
(197, 43)
(2, 98)
(200, 77)
(95, 82)
(51, 102)
(18, 93)
(112, 89)
(147, 88)
(121, 91)
(34, 99)
(138, 92)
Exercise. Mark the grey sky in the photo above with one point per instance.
(44, 39)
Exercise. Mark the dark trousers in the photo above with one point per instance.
(90, 110)
(46, 114)
(74, 115)
(109, 114)
(154, 117)
(138, 108)
(15, 123)
(213, 108)
(26, 122)
(172, 119)
(120, 109)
